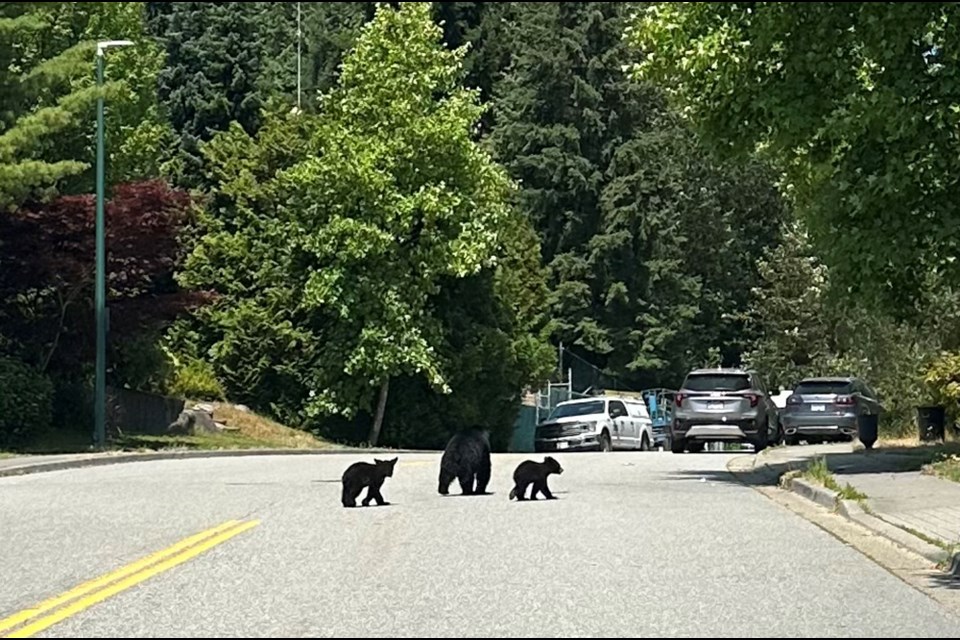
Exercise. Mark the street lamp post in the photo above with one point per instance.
(100, 400)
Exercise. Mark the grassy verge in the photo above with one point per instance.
(948, 467)
(818, 471)
(244, 430)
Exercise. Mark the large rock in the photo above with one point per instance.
(194, 422)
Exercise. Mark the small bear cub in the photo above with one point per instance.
(535, 473)
(363, 474)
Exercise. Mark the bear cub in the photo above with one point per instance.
(363, 474)
(535, 473)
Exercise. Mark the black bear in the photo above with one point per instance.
(363, 474)
(535, 473)
(466, 458)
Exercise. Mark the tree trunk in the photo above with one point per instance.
(381, 408)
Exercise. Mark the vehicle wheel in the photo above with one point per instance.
(644, 443)
(790, 441)
(605, 444)
(677, 446)
(696, 447)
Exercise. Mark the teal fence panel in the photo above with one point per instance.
(524, 430)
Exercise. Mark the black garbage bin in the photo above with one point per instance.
(930, 423)
(867, 429)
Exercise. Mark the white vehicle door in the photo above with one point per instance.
(640, 418)
(621, 419)
(630, 428)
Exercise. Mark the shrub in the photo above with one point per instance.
(942, 378)
(26, 403)
(196, 380)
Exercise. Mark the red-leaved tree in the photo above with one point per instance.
(47, 270)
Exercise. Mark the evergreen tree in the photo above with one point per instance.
(47, 98)
(211, 74)
(788, 311)
(331, 28)
(650, 246)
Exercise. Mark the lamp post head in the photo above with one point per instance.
(105, 44)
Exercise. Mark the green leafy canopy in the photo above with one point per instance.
(330, 257)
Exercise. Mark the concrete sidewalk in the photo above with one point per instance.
(916, 510)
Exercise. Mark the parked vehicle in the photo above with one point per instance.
(723, 405)
(602, 423)
(826, 409)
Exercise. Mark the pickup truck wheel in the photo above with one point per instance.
(605, 444)
(677, 446)
(644, 443)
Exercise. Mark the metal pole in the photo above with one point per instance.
(100, 302)
(299, 39)
(99, 438)
(560, 361)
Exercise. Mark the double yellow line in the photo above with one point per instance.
(99, 589)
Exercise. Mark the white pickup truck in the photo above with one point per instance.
(603, 423)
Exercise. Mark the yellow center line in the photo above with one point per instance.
(87, 587)
(128, 576)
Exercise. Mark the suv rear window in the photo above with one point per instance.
(717, 382)
(823, 387)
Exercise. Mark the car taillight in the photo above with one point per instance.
(794, 400)
(678, 399)
(754, 400)
(845, 400)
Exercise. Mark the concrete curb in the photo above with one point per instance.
(854, 511)
(758, 471)
(821, 495)
(95, 460)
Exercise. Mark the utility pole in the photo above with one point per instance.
(299, 45)
(560, 361)
(100, 295)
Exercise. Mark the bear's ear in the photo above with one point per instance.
(394, 461)
(375, 461)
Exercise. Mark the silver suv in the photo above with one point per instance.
(723, 405)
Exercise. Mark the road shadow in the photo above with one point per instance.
(945, 581)
(360, 507)
(876, 460)
(767, 468)
(722, 476)
(468, 495)
(949, 579)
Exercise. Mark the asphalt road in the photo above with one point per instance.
(638, 544)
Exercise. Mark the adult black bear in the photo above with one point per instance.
(363, 474)
(535, 473)
(466, 458)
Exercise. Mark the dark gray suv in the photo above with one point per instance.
(723, 405)
(826, 409)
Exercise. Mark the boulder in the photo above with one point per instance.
(194, 422)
